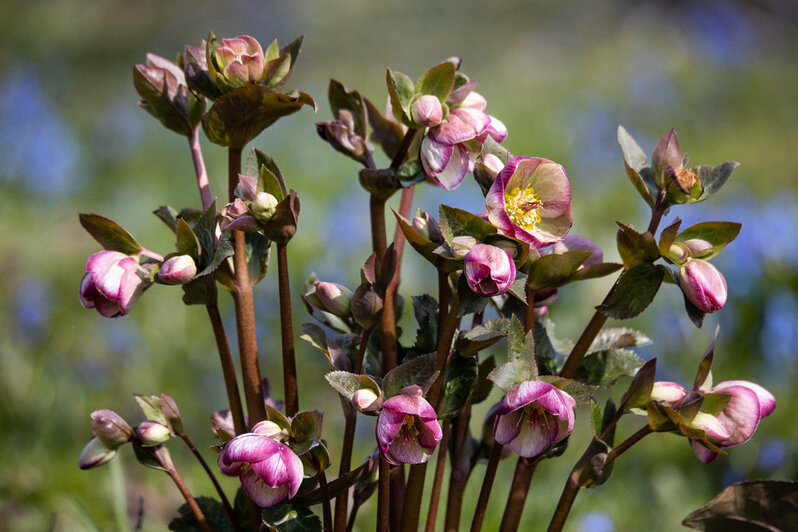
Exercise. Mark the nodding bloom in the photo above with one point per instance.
(113, 282)
(449, 150)
(269, 471)
(489, 270)
(407, 428)
(531, 200)
(703, 285)
(532, 416)
(728, 416)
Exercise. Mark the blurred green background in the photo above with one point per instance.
(560, 75)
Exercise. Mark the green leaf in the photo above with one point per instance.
(605, 367)
(425, 309)
(756, 505)
(205, 231)
(481, 337)
(703, 378)
(634, 291)
(187, 243)
(714, 178)
(470, 302)
(639, 391)
(717, 234)
(426, 248)
(109, 234)
(635, 247)
(595, 417)
(288, 518)
(582, 393)
(668, 236)
(458, 382)
(264, 160)
(214, 513)
(634, 159)
(411, 172)
(458, 222)
(483, 386)
(546, 353)
(171, 414)
(167, 215)
(151, 406)
(437, 81)
(590, 466)
(401, 91)
(343, 382)
(387, 133)
(200, 291)
(520, 344)
(352, 101)
(554, 270)
(594, 271)
(509, 374)
(618, 338)
(154, 457)
(420, 371)
(275, 416)
(241, 114)
(306, 430)
(258, 255)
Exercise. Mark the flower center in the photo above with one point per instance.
(522, 207)
(408, 425)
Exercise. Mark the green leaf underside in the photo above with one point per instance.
(109, 234)
(635, 290)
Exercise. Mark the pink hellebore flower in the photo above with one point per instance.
(241, 59)
(446, 151)
(703, 285)
(532, 416)
(407, 428)
(269, 471)
(113, 282)
(531, 201)
(747, 404)
(489, 270)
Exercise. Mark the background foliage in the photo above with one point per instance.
(561, 76)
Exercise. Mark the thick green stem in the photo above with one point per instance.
(228, 368)
(245, 308)
(287, 333)
(524, 470)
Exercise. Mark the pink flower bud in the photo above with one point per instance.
(110, 428)
(152, 433)
(336, 298)
(178, 270)
(427, 111)
(407, 428)
(113, 282)
(489, 270)
(240, 60)
(95, 454)
(367, 400)
(703, 285)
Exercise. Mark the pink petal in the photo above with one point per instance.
(741, 415)
(717, 432)
(250, 448)
(536, 434)
(667, 391)
(410, 404)
(456, 170)
(767, 403)
(429, 433)
(463, 124)
(507, 427)
(522, 394)
(87, 291)
(405, 449)
(389, 423)
(495, 130)
(100, 262)
(131, 285)
(260, 493)
(702, 453)
(435, 156)
(551, 185)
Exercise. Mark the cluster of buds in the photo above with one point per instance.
(111, 431)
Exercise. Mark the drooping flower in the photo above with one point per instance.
(703, 285)
(407, 428)
(113, 282)
(531, 200)
(269, 471)
(489, 270)
(532, 416)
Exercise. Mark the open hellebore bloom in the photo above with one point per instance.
(113, 282)
(703, 285)
(269, 471)
(532, 416)
(531, 201)
(407, 428)
(489, 270)
(447, 151)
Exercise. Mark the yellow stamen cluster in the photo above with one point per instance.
(522, 207)
(409, 425)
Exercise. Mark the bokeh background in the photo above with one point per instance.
(561, 75)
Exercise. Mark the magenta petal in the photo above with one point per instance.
(107, 308)
(389, 424)
(250, 448)
(506, 427)
(463, 125)
(228, 467)
(435, 156)
(456, 170)
(410, 404)
(522, 394)
(702, 453)
(260, 493)
(272, 470)
(87, 291)
(429, 433)
(536, 434)
(405, 449)
(767, 403)
(131, 284)
(741, 414)
(100, 262)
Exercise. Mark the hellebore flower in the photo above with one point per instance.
(95, 454)
(335, 298)
(489, 270)
(746, 404)
(579, 243)
(240, 60)
(531, 201)
(703, 285)
(110, 428)
(113, 282)
(427, 111)
(532, 416)
(178, 270)
(269, 471)
(152, 433)
(407, 428)
(447, 154)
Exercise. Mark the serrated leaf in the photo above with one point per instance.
(481, 337)
(205, 231)
(554, 270)
(420, 371)
(713, 180)
(618, 338)
(437, 81)
(509, 374)
(458, 222)
(605, 367)
(718, 234)
(223, 250)
(400, 90)
(483, 386)
(287, 518)
(520, 344)
(151, 407)
(109, 234)
(344, 383)
(582, 393)
(634, 291)
(458, 383)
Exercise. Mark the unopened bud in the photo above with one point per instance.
(178, 270)
(263, 207)
(703, 285)
(95, 454)
(152, 433)
(366, 400)
(267, 428)
(699, 248)
(427, 111)
(110, 428)
(427, 227)
(366, 306)
(336, 298)
(461, 245)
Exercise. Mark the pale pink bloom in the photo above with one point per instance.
(113, 282)
(407, 428)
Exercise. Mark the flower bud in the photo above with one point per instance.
(222, 425)
(679, 253)
(366, 305)
(263, 207)
(489, 271)
(367, 400)
(427, 227)
(461, 245)
(475, 100)
(269, 429)
(113, 282)
(336, 298)
(152, 433)
(407, 428)
(427, 111)
(240, 60)
(178, 270)
(110, 428)
(95, 454)
(703, 285)
(699, 248)
(681, 185)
